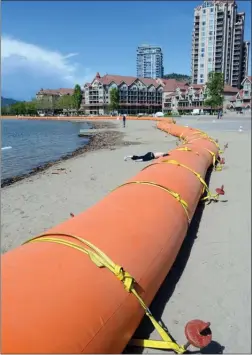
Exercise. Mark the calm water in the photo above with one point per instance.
(37, 142)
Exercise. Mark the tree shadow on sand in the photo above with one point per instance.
(166, 290)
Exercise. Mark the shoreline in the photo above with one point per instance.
(99, 140)
(83, 118)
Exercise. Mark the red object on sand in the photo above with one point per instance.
(220, 191)
(198, 333)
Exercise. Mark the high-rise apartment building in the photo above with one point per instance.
(218, 42)
(149, 62)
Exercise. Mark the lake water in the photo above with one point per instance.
(34, 143)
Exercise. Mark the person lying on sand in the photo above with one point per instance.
(148, 156)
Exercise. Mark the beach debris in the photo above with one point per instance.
(71, 214)
(226, 146)
(240, 129)
(59, 170)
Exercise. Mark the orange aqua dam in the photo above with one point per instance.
(85, 285)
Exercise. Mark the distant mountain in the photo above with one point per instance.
(178, 77)
(7, 102)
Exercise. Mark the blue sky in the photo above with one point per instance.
(52, 44)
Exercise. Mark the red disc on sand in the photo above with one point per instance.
(198, 333)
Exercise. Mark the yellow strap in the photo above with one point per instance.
(175, 162)
(100, 259)
(209, 195)
(172, 193)
(213, 156)
(203, 136)
(186, 149)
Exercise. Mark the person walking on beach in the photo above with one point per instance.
(124, 121)
(148, 156)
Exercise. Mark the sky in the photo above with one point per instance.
(54, 44)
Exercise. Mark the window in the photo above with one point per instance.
(210, 39)
(211, 9)
(201, 81)
(203, 34)
(202, 50)
(203, 23)
(209, 60)
(202, 65)
(210, 33)
(202, 55)
(202, 75)
(204, 11)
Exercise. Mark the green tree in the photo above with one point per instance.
(114, 99)
(19, 108)
(44, 103)
(65, 102)
(31, 107)
(178, 77)
(77, 97)
(214, 90)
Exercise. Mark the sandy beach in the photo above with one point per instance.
(211, 278)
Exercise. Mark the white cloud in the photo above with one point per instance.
(41, 65)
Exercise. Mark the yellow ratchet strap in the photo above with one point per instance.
(166, 189)
(205, 188)
(204, 136)
(213, 156)
(216, 167)
(101, 260)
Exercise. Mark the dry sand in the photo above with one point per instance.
(211, 278)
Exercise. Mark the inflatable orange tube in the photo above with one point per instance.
(56, 300)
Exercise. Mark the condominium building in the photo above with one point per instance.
(148, 96)
(136, 95)
(149, 62)
(218, 42)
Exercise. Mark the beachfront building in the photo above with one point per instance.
(136, 95)
(48, 100)
(242, 100)
(218, 42)
(148, 96)
(184, 98)
(52, 94)
(149, 62)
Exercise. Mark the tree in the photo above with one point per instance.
(114, 99)
(77, 97)
(31, 107)
(178, 77)
(214, 90)
(45, 103)
(65, 102)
